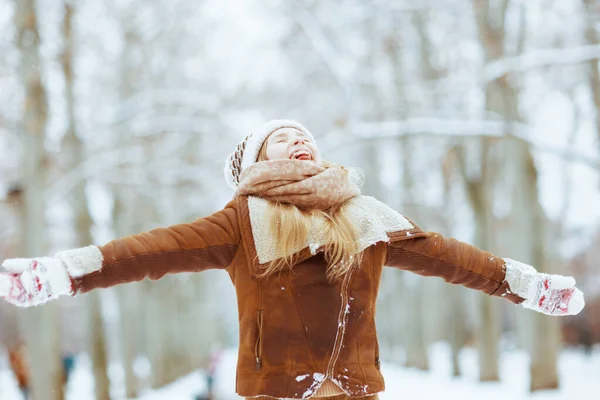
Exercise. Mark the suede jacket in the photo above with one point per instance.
(296, 329)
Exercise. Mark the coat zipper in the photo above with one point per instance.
(377, 361)
(342, 319)
(259, 340)
(259, 325)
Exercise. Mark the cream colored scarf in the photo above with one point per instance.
(309, 186)
(305, 184)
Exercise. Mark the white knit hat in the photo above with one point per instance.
(247, 151)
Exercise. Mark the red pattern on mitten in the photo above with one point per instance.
(553, 301)
(545, 293)
(33, 281)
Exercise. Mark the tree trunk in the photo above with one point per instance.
(591, 37)
(487, 328)
(133, 337)
(74, 149)
(530, 225)
(11, 334)
(543, 332)
(415, 346)
(456, 324)
(491, 33)
(43, 350)
(128, 309)
(416, 339)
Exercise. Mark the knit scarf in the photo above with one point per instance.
(304, 184)
(309, 186)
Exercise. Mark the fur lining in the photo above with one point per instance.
(520, 278)
(81, 261)
(373, 218)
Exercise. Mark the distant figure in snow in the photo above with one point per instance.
(215, 359)
(18, 364)
(68, 361)
(213, 364)
(305, 251)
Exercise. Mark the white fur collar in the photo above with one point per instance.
(374, 219)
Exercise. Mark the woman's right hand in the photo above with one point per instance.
(34, 281)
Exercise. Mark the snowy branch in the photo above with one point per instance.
(540, 58)
(445, 128)
(330, 56)
(104, 163)
(153, 99)
(436, 126)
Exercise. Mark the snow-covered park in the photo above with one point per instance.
(475, 124)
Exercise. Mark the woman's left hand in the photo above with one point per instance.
(545, 293)
(33, 281)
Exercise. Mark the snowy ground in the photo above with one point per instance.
(580, 379)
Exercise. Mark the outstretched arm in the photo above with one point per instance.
(460, 263)
(206, 243)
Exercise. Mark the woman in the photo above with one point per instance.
(304, 251)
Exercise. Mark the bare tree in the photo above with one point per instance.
(529, 221)
(128, 295)
(478, 193)
(129, 312)
(591, 37)
(43, 350)
(490, 24)
(415, 297)
(15, 204)
(74, 150)
(455, 310)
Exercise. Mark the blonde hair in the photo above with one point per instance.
(290, 226)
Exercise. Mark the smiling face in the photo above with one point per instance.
(290, 144)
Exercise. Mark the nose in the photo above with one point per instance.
(298, 141)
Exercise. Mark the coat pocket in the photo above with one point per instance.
(259, 340)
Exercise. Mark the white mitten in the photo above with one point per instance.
(34, 281)
(545, 293)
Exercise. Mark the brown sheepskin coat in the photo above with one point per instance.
(296, 329)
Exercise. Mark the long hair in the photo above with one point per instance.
(290, 227)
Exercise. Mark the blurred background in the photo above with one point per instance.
(476, 118)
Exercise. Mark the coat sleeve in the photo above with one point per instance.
(454, 261)
(206, 243)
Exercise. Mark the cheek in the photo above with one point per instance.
(317, 154)
(276, 151)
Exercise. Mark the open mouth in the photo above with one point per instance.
(301, 155)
